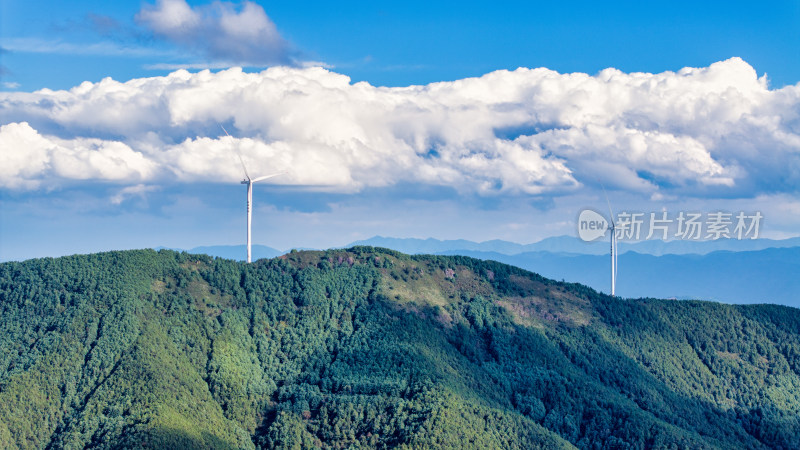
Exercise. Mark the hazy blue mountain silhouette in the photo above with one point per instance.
(763, 276)
(571, 244)
(237, 252)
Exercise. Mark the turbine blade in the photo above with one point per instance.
(237, 154)
(610, 212)
(267, 176)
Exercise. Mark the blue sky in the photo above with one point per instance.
(477, 150)
(404, 43)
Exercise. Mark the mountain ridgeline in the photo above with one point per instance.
(366, 348)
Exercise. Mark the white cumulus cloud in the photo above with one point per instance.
(718, 130)
(139, 190)
(220, 31)
(27, 159)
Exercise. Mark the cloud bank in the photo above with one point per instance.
(220, 31)
(713, 131)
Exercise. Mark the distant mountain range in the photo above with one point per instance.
(763, 276)
(237, 252)
(556, 244)
(732, 271)
(571, 244)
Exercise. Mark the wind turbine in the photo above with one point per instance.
(613, 239)
(249, 182)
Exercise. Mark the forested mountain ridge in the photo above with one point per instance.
(370, 348)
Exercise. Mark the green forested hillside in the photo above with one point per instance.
(371, 348)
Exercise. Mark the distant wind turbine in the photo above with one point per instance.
(613, 228)
(249, 182)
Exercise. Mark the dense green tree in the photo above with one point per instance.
(370, 348)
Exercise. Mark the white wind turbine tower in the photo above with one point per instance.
(613, 228)
(249, 182)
